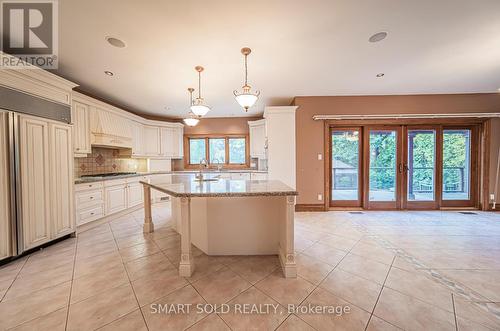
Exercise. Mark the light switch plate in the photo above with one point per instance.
(320, 197)
(320, 157)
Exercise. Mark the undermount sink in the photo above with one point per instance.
(206, 180)
(210, 179)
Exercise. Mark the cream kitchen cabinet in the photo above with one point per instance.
(257, 130)
(151, 141)
(61, 179)
(171, 142)
(81, 129)
(115, 196)
(137, 140)
(5, 227)
(89, 199)
(35, 176)
(46, 165)
(135, 193)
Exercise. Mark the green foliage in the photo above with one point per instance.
(383, 157)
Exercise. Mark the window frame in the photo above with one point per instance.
(207, 137)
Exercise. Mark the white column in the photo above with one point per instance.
(186, 266)
(280, 132)
(148, 220)
(287, 250)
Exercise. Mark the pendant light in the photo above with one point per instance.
(199, 108)
(246, 99)
(192, 119)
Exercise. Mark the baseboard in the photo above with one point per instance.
(310, 207)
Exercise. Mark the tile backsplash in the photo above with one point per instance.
(104, 160)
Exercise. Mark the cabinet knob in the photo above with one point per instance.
(91, 213)
(91, 198)
(78, 148)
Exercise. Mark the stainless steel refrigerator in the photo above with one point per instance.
(14, 105)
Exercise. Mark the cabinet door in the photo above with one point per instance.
(137, 140)
(257, 141)
(5, 240)
(34, 167)
(135, 193)
(178, 144)
(167, 141)
(152, 141)
(61, 180)
(81, 121)
(116, 199)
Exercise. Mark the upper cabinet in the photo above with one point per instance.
(171, 142)
(99, 124)
(152, 141)
(137, 139)
(258, 146)
(81, 128)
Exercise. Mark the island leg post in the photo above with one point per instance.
(186, 266)
(287, 249)
(148, 220)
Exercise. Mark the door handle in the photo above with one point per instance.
(401, 168)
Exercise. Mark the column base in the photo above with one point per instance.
(288, 265)
(148, 227)
(186, 269)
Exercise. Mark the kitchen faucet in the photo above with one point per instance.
(203, 164)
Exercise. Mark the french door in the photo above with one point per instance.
(403, 167)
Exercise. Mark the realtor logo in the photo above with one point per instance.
(29, 34)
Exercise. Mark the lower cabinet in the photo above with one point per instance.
(115, 198)
(99, 199)
(135, 194)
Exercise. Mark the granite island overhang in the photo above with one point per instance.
(228, 217)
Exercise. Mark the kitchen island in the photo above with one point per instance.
(228, 217)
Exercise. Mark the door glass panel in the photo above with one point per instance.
(456, 164)
(421, 165)
(345, 164)
(382, 170)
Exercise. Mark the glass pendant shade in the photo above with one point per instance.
(199, 108)
(246, 100)
(191, 121)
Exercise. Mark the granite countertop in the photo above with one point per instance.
(93, 179)
(184, 185)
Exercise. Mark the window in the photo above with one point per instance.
(217, 148)
(237, 151)
(197, 150)
(228, 151)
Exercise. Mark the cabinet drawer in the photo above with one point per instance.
(115, 182)
(89, 214)
(89, 198)
(88, 186)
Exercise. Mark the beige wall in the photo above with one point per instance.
(310, 140)
(229, 125)
(494, 148)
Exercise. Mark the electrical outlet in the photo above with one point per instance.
(320, 157)
(320, 197)
(492, 197)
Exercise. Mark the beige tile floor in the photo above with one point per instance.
(394, 270)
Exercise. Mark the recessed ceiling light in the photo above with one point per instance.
(109, 73)
(380, 75)
(115, 42)
(378, 37)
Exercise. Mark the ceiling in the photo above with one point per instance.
(299, 48)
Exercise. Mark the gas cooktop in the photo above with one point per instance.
(110, 174)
